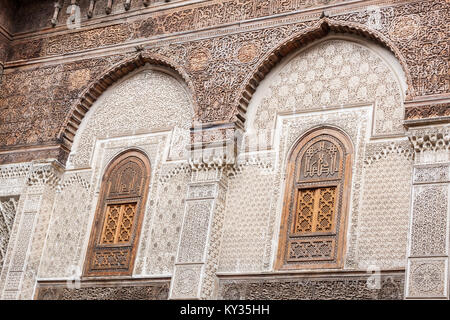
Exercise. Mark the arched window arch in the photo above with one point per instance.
(118, 217)
(312, 233)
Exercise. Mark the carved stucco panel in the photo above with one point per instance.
(195, 231)
(15, 271)
(208, 288)
(246, 220)
(382, 233)
(354, 287)
(13, 178)
(427, 278)
(68, 226)
(338, 73)
(186, 281)
(147, 100)
(429, 221)
(39, 235)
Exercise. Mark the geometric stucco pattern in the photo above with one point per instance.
(166, 225)
(246, 220)
(149, 99)
(385, 207)
(68, 224)
(8, 207)
(355, 123)
(338, 73)
(429, 221)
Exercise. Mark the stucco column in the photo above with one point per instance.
(427, 267)
(29, 230)
(212, 153)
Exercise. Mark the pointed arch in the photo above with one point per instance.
(111, 76)
(318, 31)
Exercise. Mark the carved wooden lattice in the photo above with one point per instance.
(315, 210)
(316, 196)
(118, 223)
(119, 215)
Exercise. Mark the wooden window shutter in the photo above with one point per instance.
(312, 233)
(118, 217)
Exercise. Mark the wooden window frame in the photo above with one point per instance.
(106, 199)
(336, 238)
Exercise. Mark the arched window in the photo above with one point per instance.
(316, 201)
(113, 242)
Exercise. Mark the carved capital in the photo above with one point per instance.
(214, 147)
(45, 173)
(431, 144)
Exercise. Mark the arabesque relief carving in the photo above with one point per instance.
(219, 86)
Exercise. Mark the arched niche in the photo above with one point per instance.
(316, 197)
(150, 99)
(337, 71)
(118, 217)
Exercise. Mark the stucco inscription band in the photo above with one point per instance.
(224, 149)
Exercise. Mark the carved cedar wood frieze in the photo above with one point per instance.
(136, 291)
(315, 206)
(118, 219)
(386, 287)
(223, 71)
(427, 111)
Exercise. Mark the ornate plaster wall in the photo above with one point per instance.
(348, 84)
(149, 110)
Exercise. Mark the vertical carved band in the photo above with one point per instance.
(427, 269)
